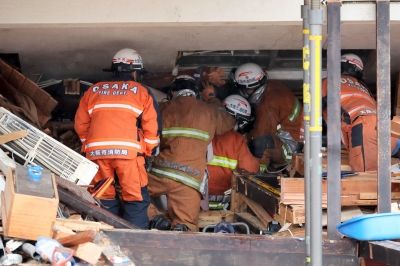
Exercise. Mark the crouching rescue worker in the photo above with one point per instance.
(230, 150)
(119, 123)
(358, 114)
(278, 115)
(189, 125)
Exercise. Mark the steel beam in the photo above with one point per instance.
(383, 103)
(333, 96)
(305, 9)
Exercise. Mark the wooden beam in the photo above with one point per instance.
(13, 136)
(258, 210)
(83, 225)
(75, 240)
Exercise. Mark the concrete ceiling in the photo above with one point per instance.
(80, 50)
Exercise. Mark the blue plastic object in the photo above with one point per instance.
(380, 226)
(35, 172)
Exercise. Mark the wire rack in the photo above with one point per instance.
(39, 148)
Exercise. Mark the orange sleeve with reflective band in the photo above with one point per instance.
(151, 124)
(82, 119)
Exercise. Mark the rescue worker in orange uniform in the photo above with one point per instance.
(119, 123)
(278, 115)
(358, 112)
(230, 150)
(189, 125)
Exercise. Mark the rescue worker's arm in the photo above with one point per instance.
(266, 122)
(225, 121)
(245, 159)
(151, 124)
(82, 119)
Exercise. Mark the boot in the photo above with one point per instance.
(159, 222)
(180, 227)
(111, 205)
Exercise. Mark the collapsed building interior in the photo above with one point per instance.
(56, 54)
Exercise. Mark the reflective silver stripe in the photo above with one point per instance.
(279, 128)
(224, 162)
(113, 143)
(358, 108)
(151, 141)
(115, 105)
(186, 132)
(177, 176)
(296, 111)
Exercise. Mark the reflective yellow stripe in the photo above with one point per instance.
(186, 132)
(177, 176)
(224, 162)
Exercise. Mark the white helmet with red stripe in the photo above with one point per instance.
(127, 60)
(240, 108)
(352, 65)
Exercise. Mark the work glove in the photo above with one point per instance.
(215, 76)
(208, 91)
(149, 163)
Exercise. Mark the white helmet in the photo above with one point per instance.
(127, 60)
(240, 108)
(250, 76)
(352, 65)
(185, 85)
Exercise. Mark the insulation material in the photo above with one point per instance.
(39, 148)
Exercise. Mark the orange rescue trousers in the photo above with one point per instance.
(183, 201)
(363, 145)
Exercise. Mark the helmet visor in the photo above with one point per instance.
(184, 85)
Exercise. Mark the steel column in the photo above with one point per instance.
(315, 20)
(383, 103)
(306, 116)
(333, 96)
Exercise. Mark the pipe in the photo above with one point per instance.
(306, 117)
(315, 20)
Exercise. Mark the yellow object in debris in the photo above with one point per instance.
(264, 185)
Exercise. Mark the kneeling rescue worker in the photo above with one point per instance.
(189, 125)
(358, 114)
(278, 115)
(230, 150)
(118, 122)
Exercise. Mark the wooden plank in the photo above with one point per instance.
(254, 223)
(80, 238)
(292, 213)
(373, 195)
(258, 210)
(62, 231)
(88, 252)
(13, 136)
(209, 217)
(83, 225)
(237, 203)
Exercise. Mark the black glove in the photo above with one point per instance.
(148, 163)
(258, 145)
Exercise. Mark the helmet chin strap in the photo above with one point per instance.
(256, 96)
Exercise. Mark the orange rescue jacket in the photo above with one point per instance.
(189, 125)
(118, 119)
(230, 153)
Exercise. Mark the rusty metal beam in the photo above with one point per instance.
(383, 103)
(334, 143)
